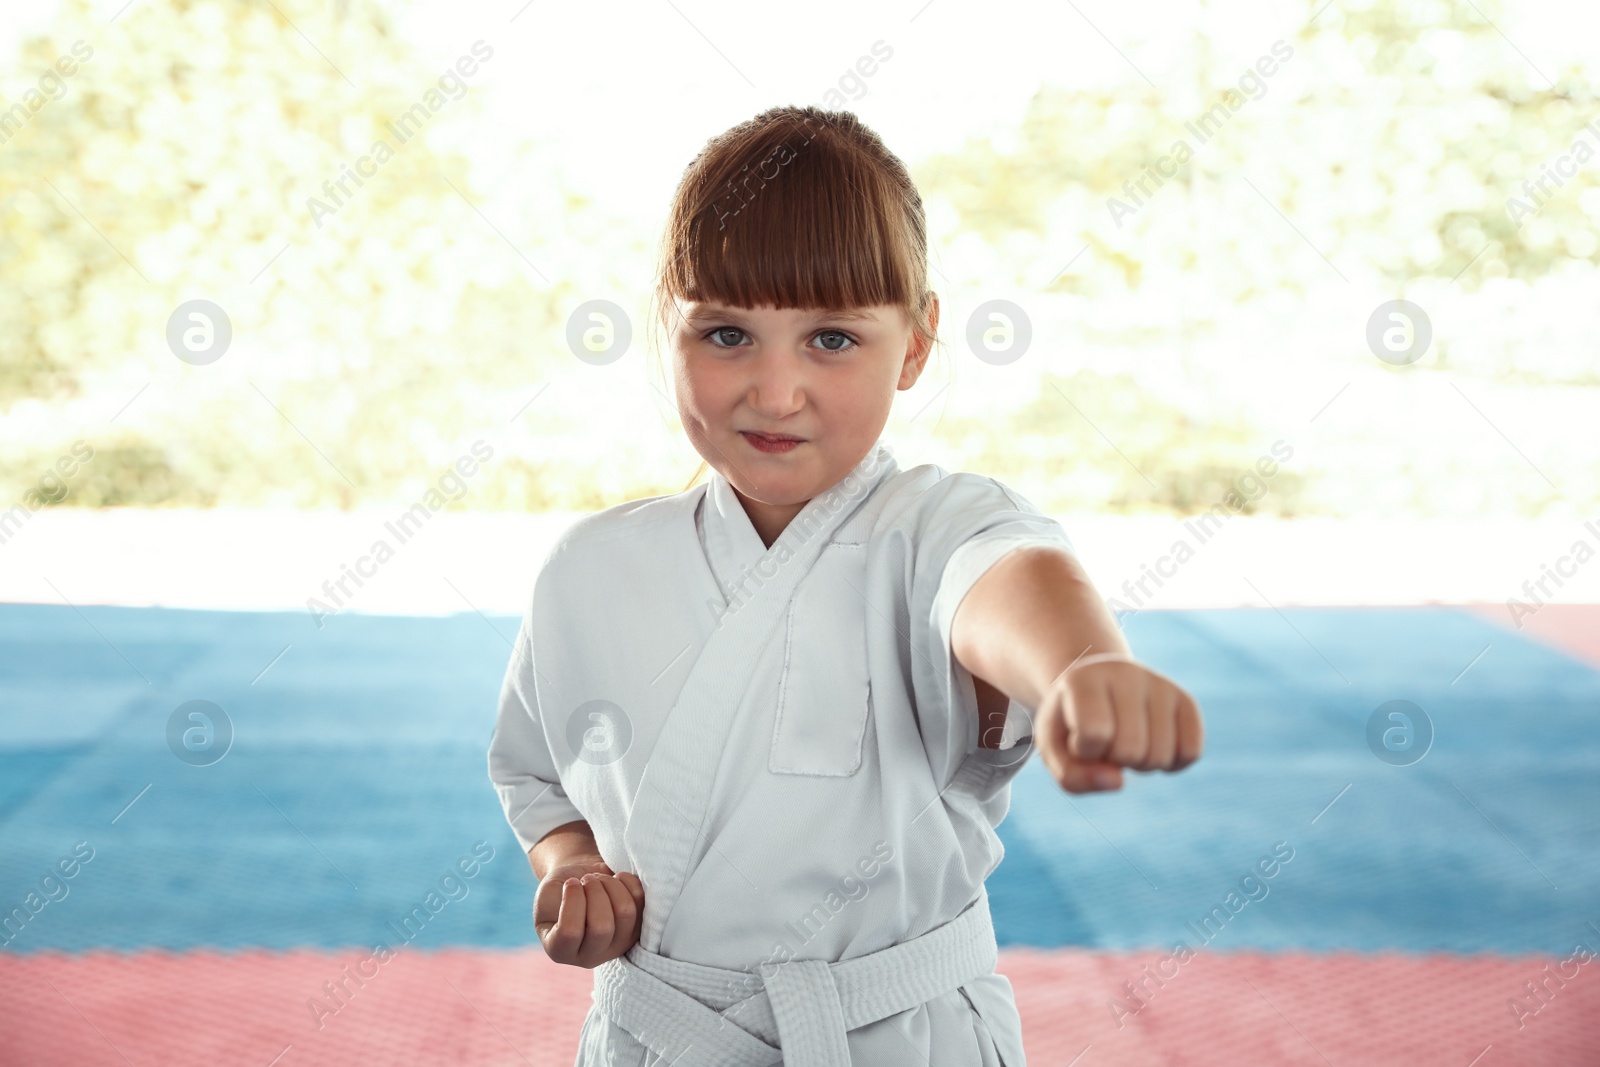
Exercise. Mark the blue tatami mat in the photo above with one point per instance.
(356, 779)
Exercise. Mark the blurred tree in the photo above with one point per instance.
(281, 160)
(1408, 161)
(200, 146)
(1391, 139)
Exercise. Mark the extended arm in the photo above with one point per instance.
(1033, 627)
(1028, 618)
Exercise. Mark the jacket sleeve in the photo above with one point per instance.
(964, 525)
(520, 764)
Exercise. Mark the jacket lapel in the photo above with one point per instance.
(666, 826)
(732, 546)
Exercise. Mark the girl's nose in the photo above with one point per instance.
(778, 389)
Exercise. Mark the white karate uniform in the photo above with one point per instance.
(780, 744)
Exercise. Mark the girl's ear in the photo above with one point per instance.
(918, 351)
(911, 369)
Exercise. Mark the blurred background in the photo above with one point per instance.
(1377, 162)
(1327, 273)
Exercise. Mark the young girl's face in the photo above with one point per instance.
(827, 378)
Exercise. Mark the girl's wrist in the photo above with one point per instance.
(565, 846)
(1096, 657)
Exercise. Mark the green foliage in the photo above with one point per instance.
(1439, 129)
(136, 475)
(1091, 441)
(372, 344)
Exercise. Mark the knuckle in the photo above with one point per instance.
(1090, 746)
(1095, 726)
(1128, 754)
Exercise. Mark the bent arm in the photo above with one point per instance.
(1028, 618)
(569, 843)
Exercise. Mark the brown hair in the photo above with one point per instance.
(796, 208)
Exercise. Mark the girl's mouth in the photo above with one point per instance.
(781, 442)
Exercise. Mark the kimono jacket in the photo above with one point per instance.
(780, 744)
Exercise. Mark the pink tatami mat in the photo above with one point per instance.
(1344, 1009)
(482, 1007)
(1573, 628)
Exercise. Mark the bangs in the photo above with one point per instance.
(795, 212)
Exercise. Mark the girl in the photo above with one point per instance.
(756, 736)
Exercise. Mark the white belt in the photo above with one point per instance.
(799, 1016)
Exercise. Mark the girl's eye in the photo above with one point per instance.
(719, 339)
(722, 330)
(845, 340)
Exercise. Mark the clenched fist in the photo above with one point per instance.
(586, 914)
(1106, 712)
